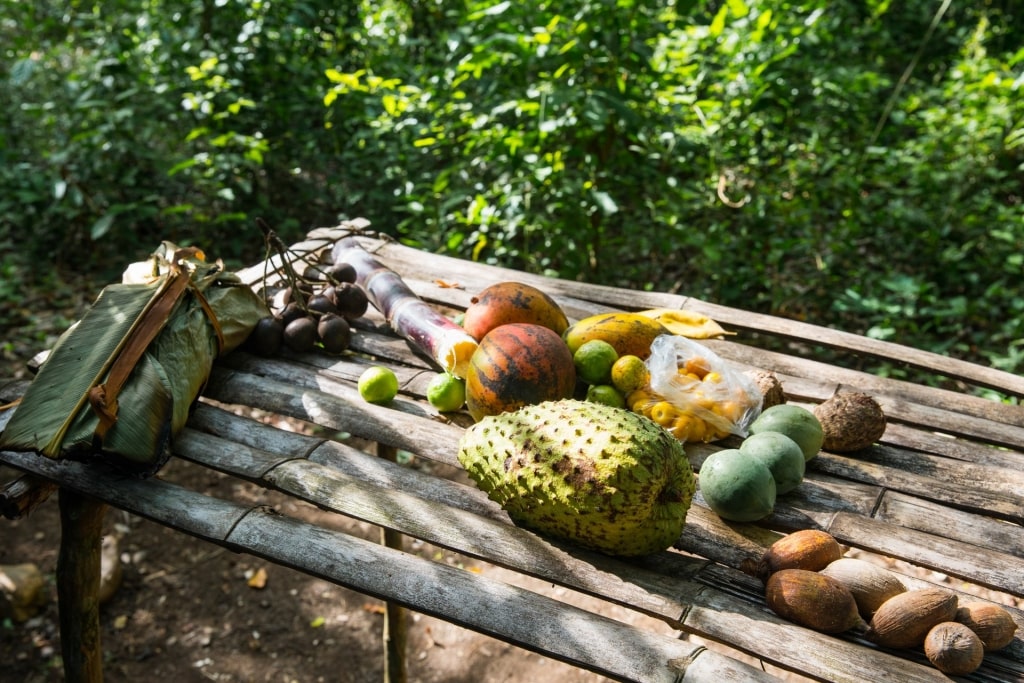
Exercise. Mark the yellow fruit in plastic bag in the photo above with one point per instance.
(662, 412)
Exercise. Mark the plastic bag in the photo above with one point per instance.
(694, 393)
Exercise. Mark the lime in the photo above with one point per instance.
(594, 360)
(378, 384)
(629, 373)
(446, 392)
(606, 394)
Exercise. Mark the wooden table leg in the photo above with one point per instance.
(395, 630)
(78, 585)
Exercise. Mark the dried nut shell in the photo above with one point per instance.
(993, 624)
(812, 600)
(771, 388)
(870, 584)
(850, 422)
(809, 549)
(905, 619)
(953, 648)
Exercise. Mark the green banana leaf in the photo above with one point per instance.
(183, 331)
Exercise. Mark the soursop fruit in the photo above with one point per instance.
(601, 477)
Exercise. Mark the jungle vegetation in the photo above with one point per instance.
(856, 164)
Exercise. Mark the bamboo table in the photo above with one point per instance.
(943, 490)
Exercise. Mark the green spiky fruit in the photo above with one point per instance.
(601, 477)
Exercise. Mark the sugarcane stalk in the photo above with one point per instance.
(448, 344)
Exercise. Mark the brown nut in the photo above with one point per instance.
(850, 422)
(953, 648)
(905, 619)
(993, 624)
(771, 389)
(809, 549)
(870, 584)
(813, 600)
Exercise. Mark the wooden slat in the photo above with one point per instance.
(958, 491)
(939, 520)
(22, 495)
(978, 565)
(341, 409)
(972, 476)
(917, 439)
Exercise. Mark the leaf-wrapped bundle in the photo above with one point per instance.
(119, 384)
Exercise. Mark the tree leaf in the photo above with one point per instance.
(102, 226)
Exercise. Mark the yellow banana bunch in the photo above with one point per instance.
(686, 323)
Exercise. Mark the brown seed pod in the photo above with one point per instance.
(850, 422)
(300, 334)
(870, 584)
(812, 600)
(334, 333)
(320, 304)
(810, 549)
(266, 338)
(351, 299)
(953, 648)
(291, 312)
(771, 388)
(993, 624)
(905, 619)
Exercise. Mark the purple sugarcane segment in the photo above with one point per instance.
(413, 319)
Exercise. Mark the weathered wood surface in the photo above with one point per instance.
(943, 490)
(527, 619)
(679, 592)
(834, 483)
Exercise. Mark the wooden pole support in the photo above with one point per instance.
(395, 631)
(78, 585)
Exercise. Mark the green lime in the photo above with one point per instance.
(594, 360)
(378, 384)
(606, 394)
(446, 392)
(629, 373)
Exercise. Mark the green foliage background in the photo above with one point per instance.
(854, 164)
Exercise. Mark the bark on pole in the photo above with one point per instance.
(395, 629)
(78, 585)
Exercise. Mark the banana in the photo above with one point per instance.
(686, 323)
(629, 333)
